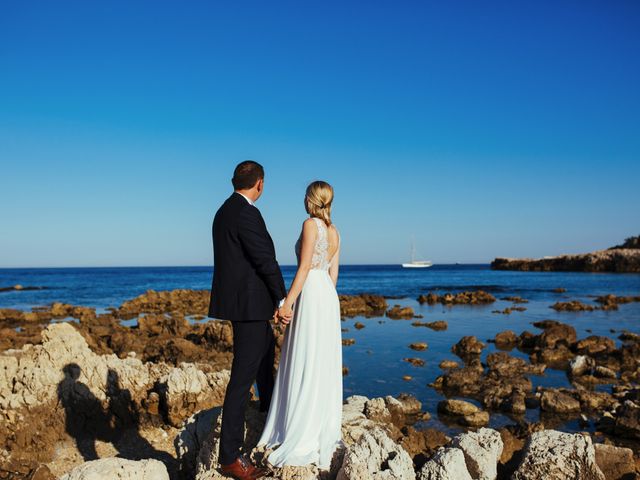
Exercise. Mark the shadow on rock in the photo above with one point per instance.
(89, 419)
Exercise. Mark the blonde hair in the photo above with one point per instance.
(317, 200)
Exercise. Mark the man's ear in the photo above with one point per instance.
(260, 185)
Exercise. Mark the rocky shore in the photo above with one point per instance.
(86, 395)
(623, 258)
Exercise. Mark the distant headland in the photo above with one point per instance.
(624, 258)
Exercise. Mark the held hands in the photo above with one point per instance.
(284, 313)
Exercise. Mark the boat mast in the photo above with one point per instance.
(413, 249)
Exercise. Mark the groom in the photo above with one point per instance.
(247, 288)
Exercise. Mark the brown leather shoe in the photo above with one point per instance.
(243, 469)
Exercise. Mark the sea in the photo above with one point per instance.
(376, 360)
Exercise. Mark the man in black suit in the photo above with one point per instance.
(247, 289)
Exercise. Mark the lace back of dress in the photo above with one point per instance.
(320, 260)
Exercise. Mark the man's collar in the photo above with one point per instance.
(246, 198)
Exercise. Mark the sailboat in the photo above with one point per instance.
(416, 263)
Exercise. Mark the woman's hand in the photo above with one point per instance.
(285, 313)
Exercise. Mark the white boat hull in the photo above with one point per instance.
(416, 265)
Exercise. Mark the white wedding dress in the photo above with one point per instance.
(305, 415)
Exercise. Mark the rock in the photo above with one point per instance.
(118, 469)
(416, 362)
(553, 455)
(505, 365)
(482, 451)
(611, 302)
(616, 463)
(627, 336)
(376, 410)
(62, 380)
(595, 345)
(509, 310)
(186, 389)
(616, 261)
(627, 420)
(573, 306)
(365, 304)
(465, 381)
(478, 419)
(604, 372)
(354, 421)
(581, 365)
(555, 335)
(511, 444)
(466, 412)
(506, 339)
(186, 302)
(478, 297)
(158, 324)
(420, 444)
(558, 402)
(419, 346)
(347, 342)
(595, 400)
(468, 346)
(457, 407)
(398, 312)
(376, 457)
(446, 464)
(358, 325)
(437, 325)
(557, 357)
(409, 404)
(515, 299)
(447, 364)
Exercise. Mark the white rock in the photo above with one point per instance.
(191, 438)
(446, 464)
(553, 455)
(376, 457)
(581, 365)
(38, 374)
(118, 469)
(482, 451)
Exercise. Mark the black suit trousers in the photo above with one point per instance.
(253, 356)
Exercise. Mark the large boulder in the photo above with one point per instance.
(118, 469)
(554, 455)
(446, 464)
(376, 457)
(187, 389)
(482, 451)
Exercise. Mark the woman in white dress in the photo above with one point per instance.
(305, 414)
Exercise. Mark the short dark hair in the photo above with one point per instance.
(246, 175)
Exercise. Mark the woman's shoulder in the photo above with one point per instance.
(309, 222)
(310, 226)
(334, 229)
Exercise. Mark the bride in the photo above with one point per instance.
(305, 414)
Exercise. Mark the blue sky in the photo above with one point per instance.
(484, 129)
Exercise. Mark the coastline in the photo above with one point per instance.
(160, 348)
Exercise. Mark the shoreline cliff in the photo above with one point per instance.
(623, 258)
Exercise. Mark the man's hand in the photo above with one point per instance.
(285, 314)
(275, 316)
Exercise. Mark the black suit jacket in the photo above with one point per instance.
(247, 281)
